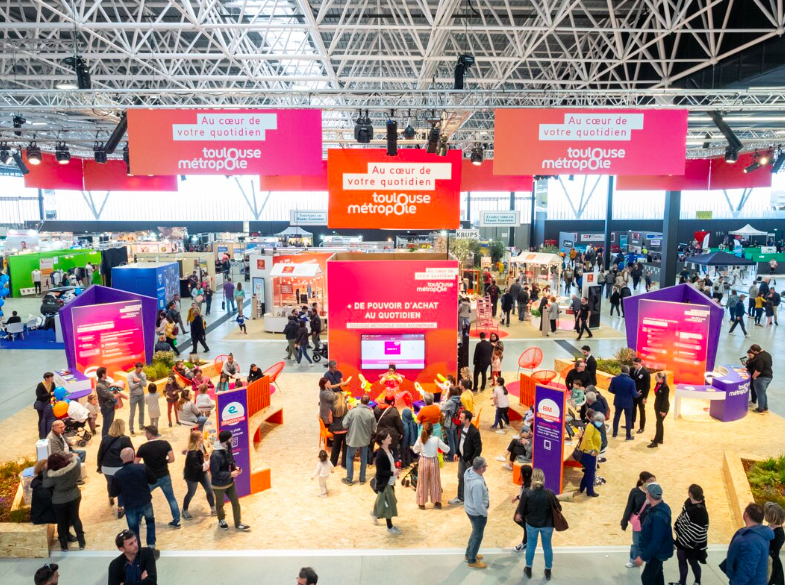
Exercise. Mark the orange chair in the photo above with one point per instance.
(273, 372)
(543, 377)
(182, 378)
(530, 359)
(324, 434)
(476, 419)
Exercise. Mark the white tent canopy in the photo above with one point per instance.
(537, 258)
(295, 232)
(748, 230)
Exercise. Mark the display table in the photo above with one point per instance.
(734, 383)
(76, 384)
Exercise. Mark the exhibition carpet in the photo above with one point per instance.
(33, 339)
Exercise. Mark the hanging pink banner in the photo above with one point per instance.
(112, 176)
(50, 174)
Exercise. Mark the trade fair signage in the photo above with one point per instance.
(560, 141)
(382, 310)
(232, 412)
(304, 217)
(225, 142)
(110, 335)
(499, 218)
(414, 190)
(550, 405)
(467, 234)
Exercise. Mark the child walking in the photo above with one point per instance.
(496, 365)
(501, 401)
(92, 407)
(241, 322)
(153, 408)
(324, 468)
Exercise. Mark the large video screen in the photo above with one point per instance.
(110, 335)
(674, 336)
(405, 350)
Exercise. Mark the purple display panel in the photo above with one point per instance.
(736, 385)
(98, 295)
(232, 415)
(681, 293)
(548, 454)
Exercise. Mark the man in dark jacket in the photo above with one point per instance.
(738, 314)
(748, 553)
(523, 301)
(493, 292)
(507, 304)
(133, 480)
(591, 364)
(642, 379)
(224, 471)
(469, 447)
(316, 328)
(578, 373)
(515, 288)
(582, 323)
(762, 373)
(655, 545)
(135, 566)
(483, 353)
(623, 389)
(596, 402)
(662, 405)
(290, 331)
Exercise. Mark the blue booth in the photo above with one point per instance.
(160, 280)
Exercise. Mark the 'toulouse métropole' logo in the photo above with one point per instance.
(233, 127)
(594, 127)
(548, 410)
(233, 413)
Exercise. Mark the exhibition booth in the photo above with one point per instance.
(189, 263)
(21, 266)
(159, 280)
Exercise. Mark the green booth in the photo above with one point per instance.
(21, 266)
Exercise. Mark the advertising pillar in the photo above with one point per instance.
(232, 415)
(550, 405)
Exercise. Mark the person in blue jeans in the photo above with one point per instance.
(476, 502)
(536, 509)
(303, 344)
(133, 481)
(655, 545)
(762, 372)
(361, 424)
(636, 503)
(157, 454)
(229, 295)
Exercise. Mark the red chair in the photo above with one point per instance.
(273, 372)
(182, 378)
(544, 377)
(530, 359)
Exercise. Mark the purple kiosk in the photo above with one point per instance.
(727, 387)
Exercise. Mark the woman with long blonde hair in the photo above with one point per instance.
(197, 463)
(429, 481)
(536, 509)
(109, 461)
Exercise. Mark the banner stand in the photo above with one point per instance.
(550, 406)
(243, 411)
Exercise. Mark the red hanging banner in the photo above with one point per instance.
(112, 176)
(50, 174)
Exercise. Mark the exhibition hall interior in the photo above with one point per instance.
(403, 291)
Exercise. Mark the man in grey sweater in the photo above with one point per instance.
(361, 423)
(137, 383)
(476, 502)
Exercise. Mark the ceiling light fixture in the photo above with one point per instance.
(734, 144)
(441, 150)
(408, 132)
(754, 166)
(33, 154)
(477, 155)
(62, 154)
(731, 155)
(16, 155)
(765, 158)
(18, 121)
(5, 154)
(99, 153)
(79, 65)
(363, 129)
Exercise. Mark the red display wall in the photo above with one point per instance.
(380, 294)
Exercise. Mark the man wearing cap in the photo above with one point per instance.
(655, 545)
(762, 373)
(738, 314)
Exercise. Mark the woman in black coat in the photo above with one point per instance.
(635, 503)
(41, 510)
(388, 420)
(43, 397)
(198, 331)
(302, 343)
(661, 406)
(692, 533)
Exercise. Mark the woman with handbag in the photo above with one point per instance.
(590, 446)
(195, 472)
(109, 461)
(383, 483)
(537, 508)
(429, 481)
(692, 534)
(636, 503)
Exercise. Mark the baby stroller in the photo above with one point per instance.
(75, 428)
(320, 353)
(410, 479)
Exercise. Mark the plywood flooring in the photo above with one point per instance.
(291, 516)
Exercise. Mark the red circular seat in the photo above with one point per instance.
(543, 376)
(530, 359)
